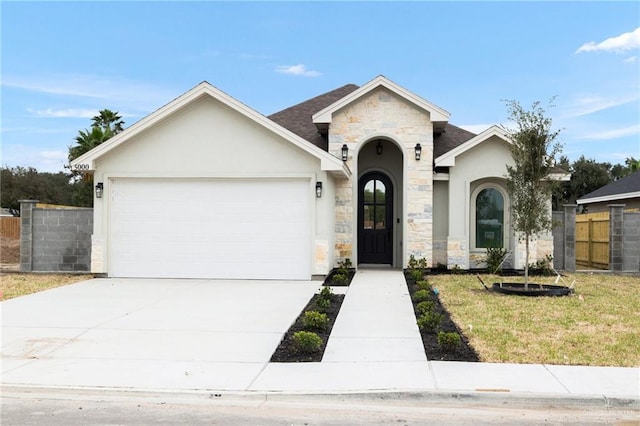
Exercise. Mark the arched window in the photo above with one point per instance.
(489, 218)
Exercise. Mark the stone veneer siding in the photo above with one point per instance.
(382, 114)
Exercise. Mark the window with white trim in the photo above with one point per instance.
(489, 220)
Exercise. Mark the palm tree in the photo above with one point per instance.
(87, 140)
(107, 119)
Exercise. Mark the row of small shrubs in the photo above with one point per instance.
(308, 341)
(427, 318)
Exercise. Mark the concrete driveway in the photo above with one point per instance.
(149, 334)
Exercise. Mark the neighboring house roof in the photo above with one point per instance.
(328, 162)
(298, 117)
(625, 188)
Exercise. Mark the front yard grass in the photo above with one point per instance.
(17, 284)
(598, 325)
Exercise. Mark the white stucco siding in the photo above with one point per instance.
(209, 140)
(486, 160)
(206, 138)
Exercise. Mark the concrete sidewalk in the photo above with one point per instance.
(193, 336)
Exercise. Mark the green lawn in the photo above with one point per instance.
(598, 325)
(14, 285)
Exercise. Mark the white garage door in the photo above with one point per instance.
(182, 228)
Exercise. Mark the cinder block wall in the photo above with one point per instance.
(55, 239)
(631, 242)
(558, 240)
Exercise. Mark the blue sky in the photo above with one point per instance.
(64, 61)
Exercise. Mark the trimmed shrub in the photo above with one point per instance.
(326, 293)
(494, 258)
(425, 307)
(340, 278)
(448, 341)
(421, 295)
(429, 321)
(306, 342)
(423, 285)
(314, 320)
(323, 305)
(416, 274)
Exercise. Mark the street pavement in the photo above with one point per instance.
(216, 337)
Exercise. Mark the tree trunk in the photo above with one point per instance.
(526, 262)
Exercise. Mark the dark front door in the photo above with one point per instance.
(375, 219)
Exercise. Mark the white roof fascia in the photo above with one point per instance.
(562, 177)
(449, 159)
(437, 113)
(328, 162)
(614, 197)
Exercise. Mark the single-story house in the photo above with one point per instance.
(622, 191)
(207, 187)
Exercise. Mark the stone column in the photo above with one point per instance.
(616, 258)
(570, 237)
(26, 234)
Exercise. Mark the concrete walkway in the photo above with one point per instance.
(376, 321)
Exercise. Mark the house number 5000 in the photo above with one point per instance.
(80, 167)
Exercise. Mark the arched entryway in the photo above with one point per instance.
(375, 219)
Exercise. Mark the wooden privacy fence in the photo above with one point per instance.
(592, 240)
(10, 227)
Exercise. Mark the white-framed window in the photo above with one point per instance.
(488, 218)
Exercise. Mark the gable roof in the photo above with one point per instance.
(439, 117)
(448, 159)
(298, 117)
(627, 187)
(328, 162)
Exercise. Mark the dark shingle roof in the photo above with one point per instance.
(625, 185)
(298, 120)
(298, 117)
(452, 137)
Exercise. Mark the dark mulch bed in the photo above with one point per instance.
(464, 352)
(286, 352)
(330, 280)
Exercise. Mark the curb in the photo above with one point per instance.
(363, 398)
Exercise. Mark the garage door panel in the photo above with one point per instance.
(210, 229)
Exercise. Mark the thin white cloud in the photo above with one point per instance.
(115, 92)
(630, 60)
(72, 113)
(615, 133)
(299, 69)
(589, 104)
(618, 44)
(64, 113)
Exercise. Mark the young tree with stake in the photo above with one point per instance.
(533, 148)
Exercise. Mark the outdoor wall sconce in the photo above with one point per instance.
(379, 148)
(345, 152)
(99, 189)
(318, 189)
(418, 151)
